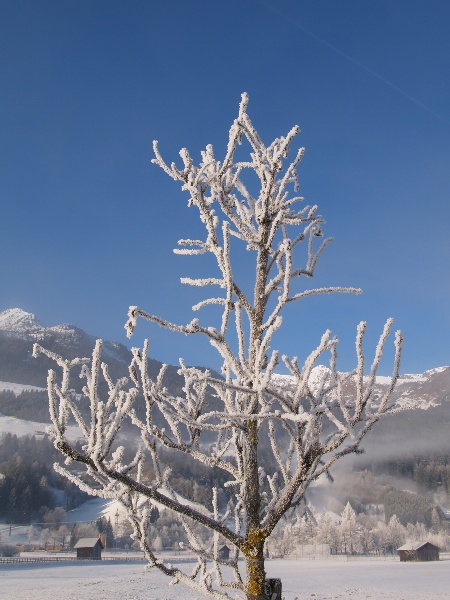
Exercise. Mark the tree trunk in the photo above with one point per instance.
(256, 576)
(255, 538)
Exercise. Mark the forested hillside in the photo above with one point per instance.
(30, 405)
(29, 487)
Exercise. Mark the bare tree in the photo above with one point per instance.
(317, 423)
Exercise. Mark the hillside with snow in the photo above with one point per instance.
(19, 324)
(423, 390)
(20, 373)
(18, 388)
(19, 330)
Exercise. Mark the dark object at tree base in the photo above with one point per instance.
(273, 589)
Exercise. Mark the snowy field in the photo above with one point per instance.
(18, 388)
(312, 580)
(21, 427)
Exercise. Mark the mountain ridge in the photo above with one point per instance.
(17, 323)
(20, 328)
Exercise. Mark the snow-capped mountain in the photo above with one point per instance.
(19, 330)
(19, 324)
(15, 322)
(424, 390)
(410, 429)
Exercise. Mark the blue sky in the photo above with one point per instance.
(88, 224)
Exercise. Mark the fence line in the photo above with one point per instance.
(39, 559)
(341, 557)
(333, 557)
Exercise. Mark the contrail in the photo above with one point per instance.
(356, 62)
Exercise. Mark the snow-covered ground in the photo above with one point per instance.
(92, 510)
(18, 388)
(99, 507)
(312, 580)
(21, 427)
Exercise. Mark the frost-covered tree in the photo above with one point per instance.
(62, 535)
(397, 533)
(31, 534)
(349, 529)
(328, 533)
(45, 536)
(82, 530)
(245, 203)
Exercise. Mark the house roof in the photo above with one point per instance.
(88, 542)
(414, 546)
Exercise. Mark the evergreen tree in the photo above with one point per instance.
(349, 529)
(104, 526)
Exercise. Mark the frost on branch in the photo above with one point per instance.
(224, 422)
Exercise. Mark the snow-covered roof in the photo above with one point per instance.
(88, 542)
(411, 546)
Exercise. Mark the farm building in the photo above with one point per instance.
(89, 549)
(224, 553)
(418, 551)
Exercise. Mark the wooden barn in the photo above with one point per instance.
(419, 551)
(224, 552)
(89, 549)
